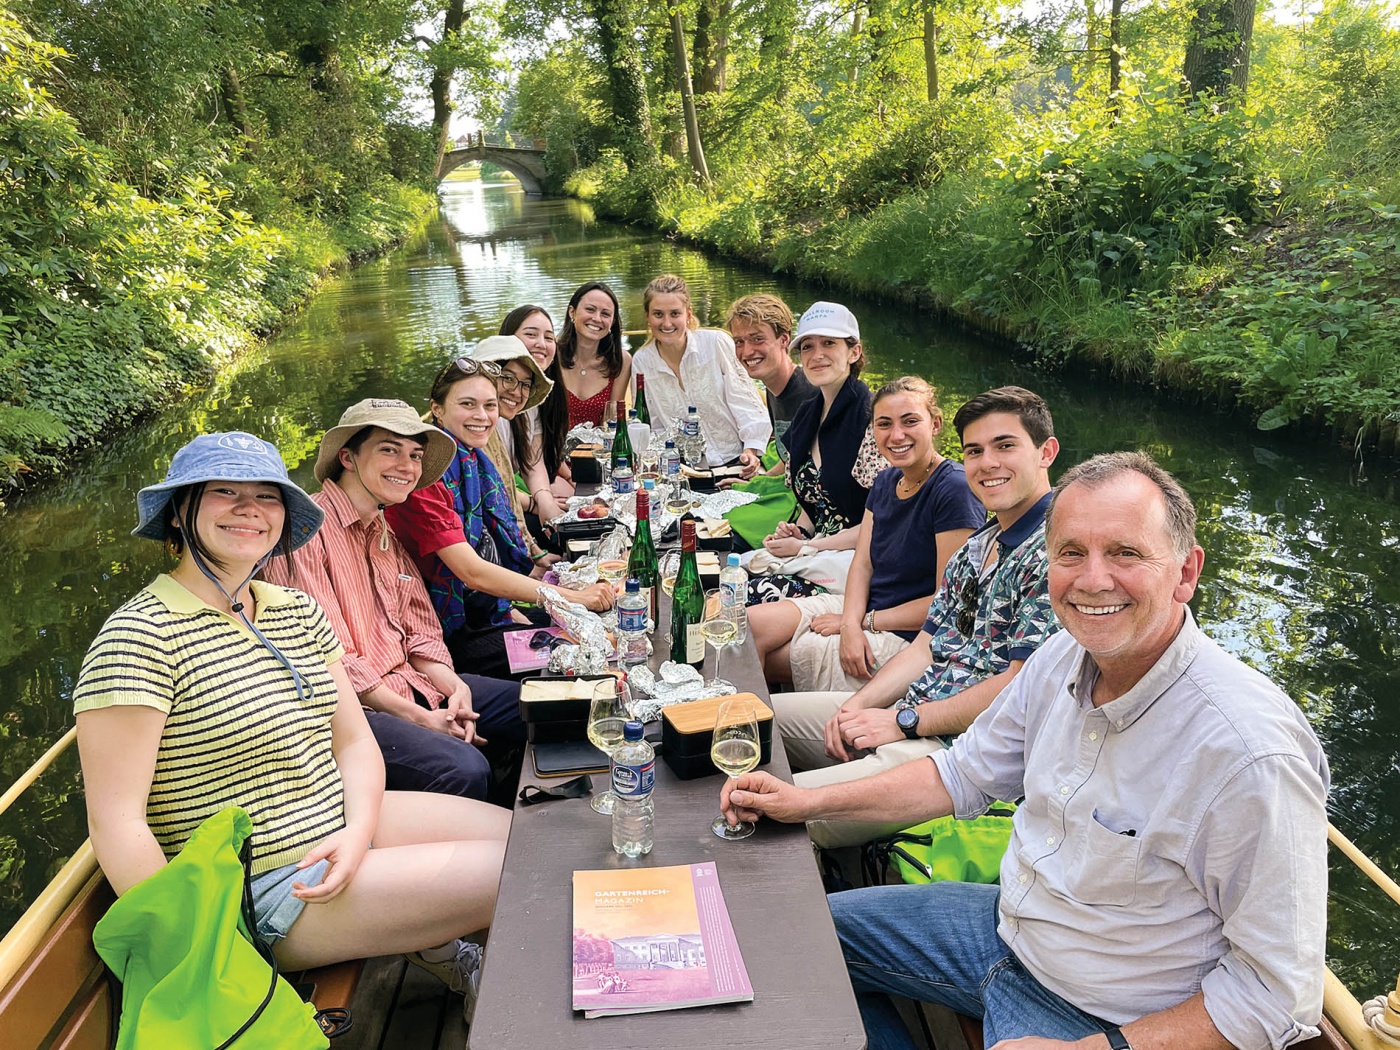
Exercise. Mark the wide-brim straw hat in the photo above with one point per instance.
(500, 348)
(234, 456)
(395, 416)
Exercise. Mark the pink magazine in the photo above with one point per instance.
(521, 655)
(649, 939)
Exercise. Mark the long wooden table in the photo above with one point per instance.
(802, 996)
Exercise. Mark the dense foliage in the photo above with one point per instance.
(1094, 181)
(175, 176)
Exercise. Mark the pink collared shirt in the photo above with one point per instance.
(375, 599)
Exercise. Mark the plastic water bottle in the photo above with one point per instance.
(633, 774)
(670, 460)
(734, 597)
(694, 450)
(624, 482)
(632, 609)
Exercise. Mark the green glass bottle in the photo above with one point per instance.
(641, 563)
(643, 413)
(622, 444)
(688, 604)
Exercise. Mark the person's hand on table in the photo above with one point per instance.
(760, 794)
(750, 462)
(867, 729)
(598, 597)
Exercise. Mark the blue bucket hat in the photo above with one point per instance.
(234, 456)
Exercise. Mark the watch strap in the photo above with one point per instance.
(1117, 1040)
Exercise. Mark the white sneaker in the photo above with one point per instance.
(461, 973)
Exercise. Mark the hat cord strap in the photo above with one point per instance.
(238, 609)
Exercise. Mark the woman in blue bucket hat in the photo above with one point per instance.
(211, 689)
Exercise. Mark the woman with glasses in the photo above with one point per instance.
(837, 642)
(463, 532)
(522, 387)
(548, 494)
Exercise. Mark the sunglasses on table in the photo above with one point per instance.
(546, 640)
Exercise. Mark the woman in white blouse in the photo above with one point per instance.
(687, 365)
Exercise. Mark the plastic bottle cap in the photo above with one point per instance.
(648, 485)
(634, 586)
(733, 561)
(692, 408)
(623, 462)
(670, 443)
(632, 731)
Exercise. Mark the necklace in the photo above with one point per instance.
(906, 488)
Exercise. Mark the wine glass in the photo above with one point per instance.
(669, 565)
(734, 751)
(607, 715)
(717, 627)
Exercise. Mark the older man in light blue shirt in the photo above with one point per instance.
(1166, 882)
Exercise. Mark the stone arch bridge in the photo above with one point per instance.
(525, 163)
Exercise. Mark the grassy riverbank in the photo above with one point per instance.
(1245, 253)
(129, 276)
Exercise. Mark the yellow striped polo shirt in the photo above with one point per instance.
(235, 733)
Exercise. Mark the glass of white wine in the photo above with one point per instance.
(670, 565)
(734, 751)
(607, 715)
(719, 630)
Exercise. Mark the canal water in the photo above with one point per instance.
(1302, 575)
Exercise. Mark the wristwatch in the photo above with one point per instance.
(907, 718)
(1117, 1040)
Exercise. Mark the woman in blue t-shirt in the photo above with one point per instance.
(833, 641)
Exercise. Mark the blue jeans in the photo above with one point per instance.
(418, 759)
(938, 944)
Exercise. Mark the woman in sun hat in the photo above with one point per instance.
(210, 689)
(521, 387)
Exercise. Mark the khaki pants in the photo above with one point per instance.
(802, 719)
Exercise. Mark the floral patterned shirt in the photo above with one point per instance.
(806, 485)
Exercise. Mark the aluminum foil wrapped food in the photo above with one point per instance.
(675, 684)
(577, 574)
(584, 434)
(593, 648)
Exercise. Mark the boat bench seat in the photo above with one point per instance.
(64, 998)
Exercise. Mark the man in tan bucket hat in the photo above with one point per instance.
(425, 716)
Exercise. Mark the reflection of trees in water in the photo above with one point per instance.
(1303, 561)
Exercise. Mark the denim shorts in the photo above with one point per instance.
(274, 907)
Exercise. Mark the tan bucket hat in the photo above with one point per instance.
(500, 348)
(395, 416)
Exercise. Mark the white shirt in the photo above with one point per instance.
(1173, 840)
(733, 416)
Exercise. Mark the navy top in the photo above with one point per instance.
(903, 554)
(842, 433)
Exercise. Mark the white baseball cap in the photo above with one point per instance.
(827, 319)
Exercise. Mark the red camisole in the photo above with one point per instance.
(587, 411)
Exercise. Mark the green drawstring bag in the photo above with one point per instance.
(190, 974)
(775, 503)
(943, 850)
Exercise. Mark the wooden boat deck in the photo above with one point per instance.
(397, 1005)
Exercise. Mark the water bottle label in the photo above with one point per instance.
(632, 619)
(634, 782)
(623, 484)
(730, 596)
(673, 466)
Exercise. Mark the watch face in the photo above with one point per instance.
(907, 718)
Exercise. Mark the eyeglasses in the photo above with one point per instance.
(967, 615)
(510, 381)
(467, 366)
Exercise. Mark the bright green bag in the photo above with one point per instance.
(944, 850)
(757, 520)
(190, 975)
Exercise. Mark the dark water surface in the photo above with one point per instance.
(1302, 574)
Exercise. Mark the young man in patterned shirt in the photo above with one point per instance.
(991, 612)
